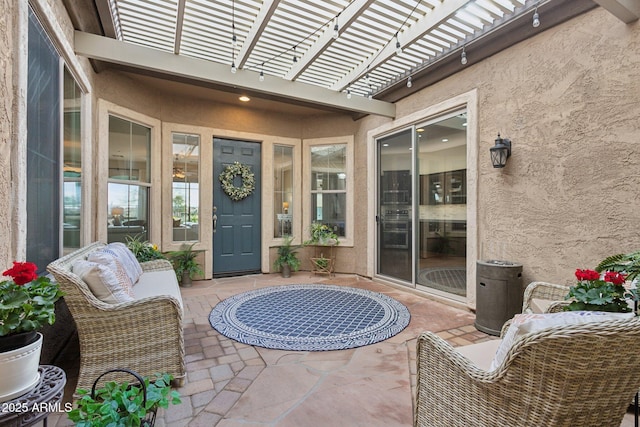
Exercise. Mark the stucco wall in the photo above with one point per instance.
(170, 105)
(569, 99)
(7, 135)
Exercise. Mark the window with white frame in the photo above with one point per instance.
(283, 190)
(185, 193)
(72, 169)
(327, 185)
(129, 182)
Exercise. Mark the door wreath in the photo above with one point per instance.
(248, 181)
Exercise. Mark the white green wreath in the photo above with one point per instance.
(248, 181)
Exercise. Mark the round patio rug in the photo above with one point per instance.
(309, 317)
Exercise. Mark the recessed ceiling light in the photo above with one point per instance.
(385, 145)
(420, 130)
(445, 140)
(244, 98)
(464, 124)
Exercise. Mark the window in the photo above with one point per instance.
(328, 186)
(43, 147)
(283, 189)
(185, 194)
(72, 169)
(129, 180)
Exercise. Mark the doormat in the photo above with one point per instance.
(309, 317)
(447, 279)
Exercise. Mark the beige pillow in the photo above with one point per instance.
(126, 258)
(108, 259)
(102, 281)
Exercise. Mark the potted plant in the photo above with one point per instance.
(321, 264)
(599, 292)
(287, 259)
(322, 234)
(185, 264)
(123, 404)
(143, 250)
(628, 264)
(27, 302)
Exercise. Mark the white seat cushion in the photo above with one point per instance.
(154, 283)
(540, 305)
(481, 354)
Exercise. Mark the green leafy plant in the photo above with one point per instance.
(122, 404)
(287, 255)
(321, 263)
(596, 292)
(27, 302)
(322, 234)
(143, 250)
(628, 264)
(184, 261)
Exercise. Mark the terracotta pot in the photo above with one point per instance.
(19, 369)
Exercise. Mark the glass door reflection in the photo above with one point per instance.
(442, 210)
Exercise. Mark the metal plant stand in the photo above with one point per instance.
(36, 404)
(322, 263)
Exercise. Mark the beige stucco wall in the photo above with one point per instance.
(569, 98)
(8, 104)
(170, 105)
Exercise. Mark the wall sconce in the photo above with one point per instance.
(500, 152)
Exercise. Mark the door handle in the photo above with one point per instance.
(215, 219)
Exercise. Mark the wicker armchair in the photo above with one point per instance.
(540, 296)
(144, 335)
(578, 375)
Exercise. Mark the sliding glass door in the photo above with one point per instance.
(422, 205)
(442, 205)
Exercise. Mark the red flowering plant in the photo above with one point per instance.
(28, 301)
(600, 292)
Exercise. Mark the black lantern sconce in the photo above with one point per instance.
(500, 152)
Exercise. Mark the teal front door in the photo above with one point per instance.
(236, 237)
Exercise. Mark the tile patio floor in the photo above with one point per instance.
(230, 384)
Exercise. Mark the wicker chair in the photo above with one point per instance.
(539, 296)
(145, 335)
(578, 375)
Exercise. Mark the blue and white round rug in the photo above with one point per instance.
(309, 317)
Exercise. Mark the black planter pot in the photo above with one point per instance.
(14, 341)
(285, 270)
(186, 280)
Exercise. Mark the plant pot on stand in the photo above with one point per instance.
(19, 362)
(28, 303)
